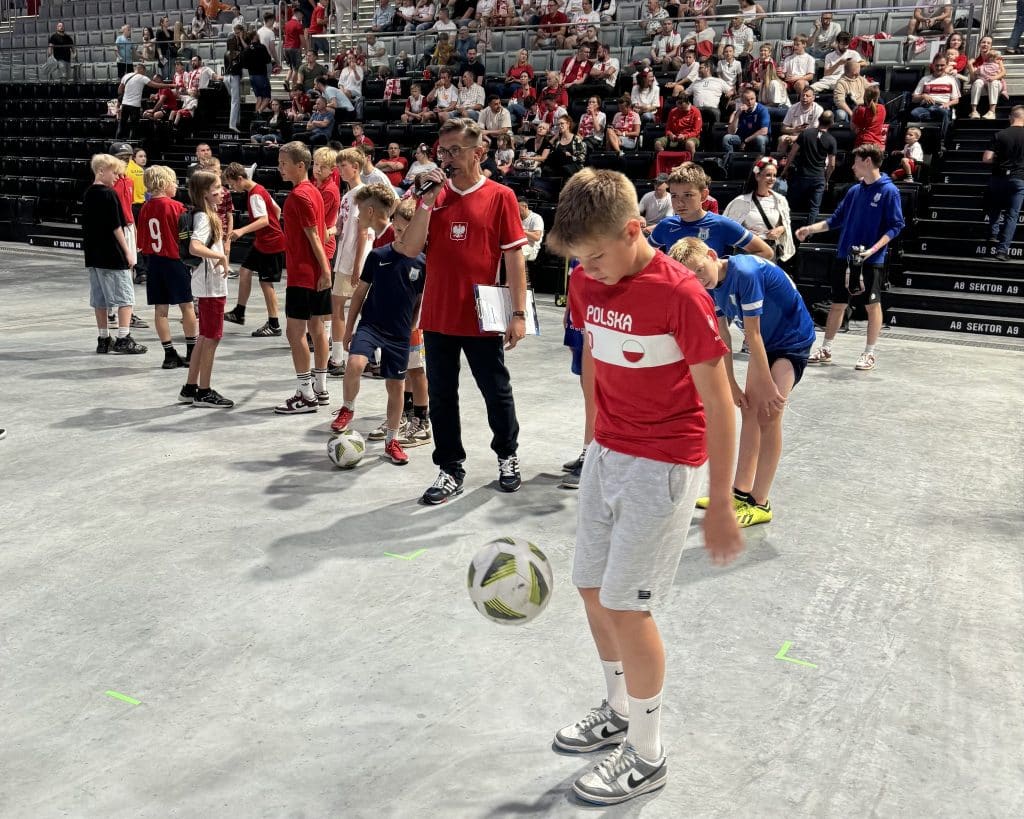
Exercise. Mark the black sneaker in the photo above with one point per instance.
(212, 400)
(571, 479)
(322, 398)
(1002, 256)
(334, 369)
(266, 331)
(140, 278)
(508, 474)
(234, 318)
(443, 489)
(137, 323)
(127, 346)
(569, 466)
(172, 361)
(188, 392)
(112, 319)
(103, 344)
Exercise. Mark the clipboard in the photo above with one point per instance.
(494, 309)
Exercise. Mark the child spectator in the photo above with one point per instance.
(415, 106)
(225, 208)
(109, 257)
(209, 286)
(386, 303)
(505, 154)
(359, 137)
(657, 204)
(189, 104)
(779, 333)
(644, 469)
(308, 294)
(353, 245)
(124, 187)
(910, 156)
(265, 258)
(168, 281)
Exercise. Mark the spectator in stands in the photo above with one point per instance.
(519, 74)
(394, 165)
(233, 80)
(749, 125)
(215, 8)
(405, 17)
(463, 11)
(956, 41)
(474, 66)
(351, 82)
(683, 129)
(125, 51)
(416, 106)
(740, 36)
(910, 157)
(319, 126)
(276, 130)
(309, 71)
(604, 73)
(60, 50)
(665, 47)
(593, 125)
(471, 97)
(131, 91)
(798, 67)
(809, 166)
(383, 16)
(936, 15)
(849, 91)
(835, 63)
(868, 120)
(605, 8)
(568, 153)
(186, 111)
(359, 138)
(257, 60)
(753, 15)
(294, 43)
(495, 120)
(443, 99)
(646, 95)
(707, 92)
(268, 37)
(989, 76)
(729, 68)
(199, 28)
(575, 72)
(552, 27)
(1006, 189)
(147, 52)
(535, 151)
(165, 48)
(688, 73)
(625, 130)
(656, 205)
(443, 53)
(953, 59)
(583, 19)
(697, 8)
(758, 66)
(701, 38)
(166, 104)
(799, 117)
(936, 94)
(377, 59)
(652, 16)
(1013, 45)
(464, 40)
(421, 163)
(317, 26)
(822, 38)
(553, 89)
(764, 212)
(533, 227)
(442, 25)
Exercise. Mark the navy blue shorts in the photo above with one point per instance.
(260, 85)
(797, 359)
(573, 339)
(168, 281)
(394, 353)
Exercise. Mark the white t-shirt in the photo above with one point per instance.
(944, 89)
(689, 73)
(135, 86)
(375, 177)
(351, 80)
(664, 43)
(834, 57)
(798, 65)
(533, 221)
(741, 38)
(208, 281)
(753, 221)
(707, 35)
(914, 152)
(825, 37)
(707, 92)
(448, 26)
(446, 97)
(730, 72)
(267, 37)
(646, 96)
(613, 63)
(417, 168)
(654, 209)
(348, 231)
(797, 117)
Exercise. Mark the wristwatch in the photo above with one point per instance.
(519, 314)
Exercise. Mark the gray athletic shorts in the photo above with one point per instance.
(110, 288)
(634, 514)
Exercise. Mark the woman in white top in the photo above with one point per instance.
(351, 82)
(646, 95)
(764, 212)
(421, 163)
(593, 125)
(753, 14)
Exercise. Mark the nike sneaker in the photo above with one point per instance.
(622, 775)
(601, 727)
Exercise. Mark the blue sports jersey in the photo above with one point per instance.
(755, 287)
(396, 282)
(720, 233)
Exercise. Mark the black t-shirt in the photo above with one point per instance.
(396, 283)
(1008, 147)
(165, 43)
(62, 45)
(476, 68)
(256, 58)
(460, 7)
(816, 147)
(101, 216)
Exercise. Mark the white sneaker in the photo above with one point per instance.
(601, 727)
(865, 362)
(416, 432)
(975, 115)
(989, 115)
(621, 776)
(820, 356)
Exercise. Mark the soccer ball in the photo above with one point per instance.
(346, 449)
(510, 581)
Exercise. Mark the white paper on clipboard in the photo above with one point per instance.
(494, 309)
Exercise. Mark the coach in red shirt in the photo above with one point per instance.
(467, 224)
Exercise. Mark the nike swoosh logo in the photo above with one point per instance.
(619, 673)
(652, 710)
(606, 734)
(635, 781)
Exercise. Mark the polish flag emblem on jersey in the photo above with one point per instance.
(626, 350)
(632, 350)
(459, 231)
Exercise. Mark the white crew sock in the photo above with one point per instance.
(827, 344)
(124, 332)
(869, 349)
(306, 385)
(104, 332)
(618, 699)
(320, 380)
(644, 731)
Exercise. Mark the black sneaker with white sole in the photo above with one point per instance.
(569, 466)
(322, 398)
(266, 331)
(137, 323)
(188, 392)
(233, 317)
(297, 404)
(508, 474)
(212, 399)
(173, 361)
(127, 346)
(443, 489)
(103, 344)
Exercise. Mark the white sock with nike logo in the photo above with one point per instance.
(618, 699)
(644, 732)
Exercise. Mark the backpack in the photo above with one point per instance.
(185, 221)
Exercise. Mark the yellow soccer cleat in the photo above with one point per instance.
(702, 503)
(751, 515)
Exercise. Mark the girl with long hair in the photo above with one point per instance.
(869, 120)
(764, 212)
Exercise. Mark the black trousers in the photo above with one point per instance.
(129, 118)
(486, 357)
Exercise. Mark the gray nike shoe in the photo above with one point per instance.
(598, 729)
(622, 775)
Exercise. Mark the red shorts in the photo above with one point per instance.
(184, 113)
(211, 316)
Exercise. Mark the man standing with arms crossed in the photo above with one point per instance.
(465, 249)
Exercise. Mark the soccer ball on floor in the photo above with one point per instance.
(510, 581)
(346, 449)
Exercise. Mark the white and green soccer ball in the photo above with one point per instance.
(346, 449)
(510, 581)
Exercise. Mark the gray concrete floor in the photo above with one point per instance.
(215, 567)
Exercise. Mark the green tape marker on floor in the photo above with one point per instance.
(122, 697)
(782, 656)
(410, 556)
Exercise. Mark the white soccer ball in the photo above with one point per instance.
(510, 581)
(346, 449)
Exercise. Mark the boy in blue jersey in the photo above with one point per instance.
(869, 217)
(386, 302)
(779, 331)
(688, 188)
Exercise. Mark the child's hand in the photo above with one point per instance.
(722, 536)
(233, 235)
(346, 340)
(225, 266)
(354, 278)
